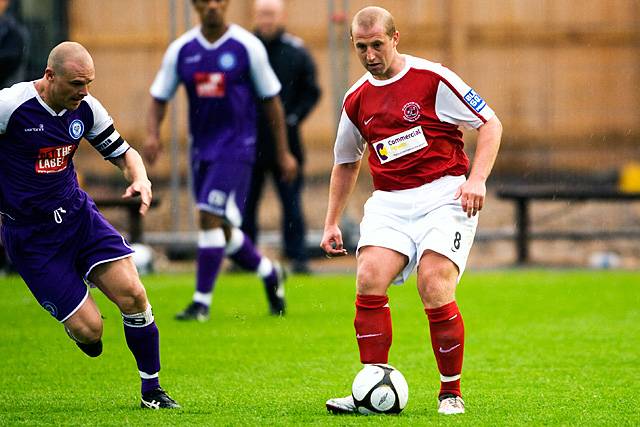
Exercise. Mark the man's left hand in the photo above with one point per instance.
(472, 194)
(143, 189)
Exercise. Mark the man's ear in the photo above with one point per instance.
(49, 74)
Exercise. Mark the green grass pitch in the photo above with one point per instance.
(542, 348)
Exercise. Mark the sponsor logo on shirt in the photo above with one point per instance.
(38, 129)
(382, 152)
(192, 59)
(227, 61)
(209, 85)
(76, 129)
(474, 100)
(411, 111)
(54, 159)
(400, 144)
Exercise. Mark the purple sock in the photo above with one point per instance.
(242, 251)
(271, 279)
(209, 262)
(144, 343)
(149, 384)
(246, 255)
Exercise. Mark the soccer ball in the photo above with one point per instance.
(380, 389)
(142, 258)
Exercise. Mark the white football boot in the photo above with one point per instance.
(451, 405)
(341, 405)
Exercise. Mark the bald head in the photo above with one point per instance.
(272, 5)
(4, 5)
(67, 77)
(268, 17)
(371, 16)
(66, 54)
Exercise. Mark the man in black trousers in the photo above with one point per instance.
(296, 71)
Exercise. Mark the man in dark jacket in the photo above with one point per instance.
(12, 54)
(13, 46)
(296, 71)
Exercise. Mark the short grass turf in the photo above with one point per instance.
(542, 348)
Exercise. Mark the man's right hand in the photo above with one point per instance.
(151, 150)
(332, 244)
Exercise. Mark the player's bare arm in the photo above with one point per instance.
(472, 193)
(275, 115)
(152, 147)
(134, 171)
(343, 180)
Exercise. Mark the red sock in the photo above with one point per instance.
(447, 340)
(373, 328)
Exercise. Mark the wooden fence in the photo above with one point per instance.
(564, 76)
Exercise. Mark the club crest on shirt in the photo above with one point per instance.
(411, 111)
(76, 129)
(227, 61)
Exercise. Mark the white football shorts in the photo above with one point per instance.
(419, 219)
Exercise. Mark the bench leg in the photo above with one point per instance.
(522, 224)
(135, 224)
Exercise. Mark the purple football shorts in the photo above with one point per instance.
(221, 188)
(55, 255)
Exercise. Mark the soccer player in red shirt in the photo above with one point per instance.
(423, 212)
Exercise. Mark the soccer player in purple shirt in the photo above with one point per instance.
(227, 76)
(52, 230)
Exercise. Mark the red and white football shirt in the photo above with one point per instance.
(410, 124)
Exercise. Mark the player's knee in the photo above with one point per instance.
(431, 289)
(368, 282)
(209, 221)
(436, 287)
(88, 332)
(437, 271)
(133, 298)
(95, 332)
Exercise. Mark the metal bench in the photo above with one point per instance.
(524, 194)
(133, 216)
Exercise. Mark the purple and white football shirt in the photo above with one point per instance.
(52, 230)
(223, 81)
(37, 146)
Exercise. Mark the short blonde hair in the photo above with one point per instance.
(370, 16)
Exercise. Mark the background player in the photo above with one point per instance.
(53, 232)
(407, 111)
(294, 67)
(224, 69)
(13, 47)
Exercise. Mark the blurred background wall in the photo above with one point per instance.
(563, 76)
